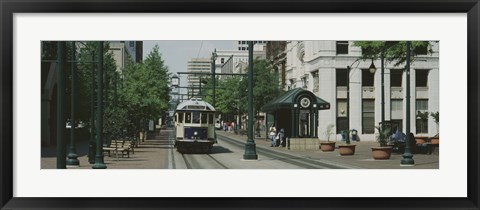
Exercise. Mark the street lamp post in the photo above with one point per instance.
(250, 152)
(61, 162)
(407, 156)
(214, 57)
(91, 143)
(99, 164)
(72, 155)
(372, 69)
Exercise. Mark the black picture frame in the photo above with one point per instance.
(10, 7)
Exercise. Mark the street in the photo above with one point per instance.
(159, 153)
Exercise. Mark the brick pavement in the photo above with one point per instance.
(152, 154)
(361, 159)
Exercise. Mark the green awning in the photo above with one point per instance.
(291, 97)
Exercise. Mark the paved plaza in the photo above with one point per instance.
(153, 154)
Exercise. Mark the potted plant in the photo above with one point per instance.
(422, 116)
(435, 139)
(347, 148)
(327, 146)
(383, 151)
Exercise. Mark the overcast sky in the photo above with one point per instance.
(177, 53)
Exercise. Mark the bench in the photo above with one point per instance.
(117, 146)
(242, 132)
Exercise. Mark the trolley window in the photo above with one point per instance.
(188, 117)
(210, 119)
(204, 118)
(180, 117)
(196, 117)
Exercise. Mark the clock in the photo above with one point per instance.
(305, 102)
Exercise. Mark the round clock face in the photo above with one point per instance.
(305, 102)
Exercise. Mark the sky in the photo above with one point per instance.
(177, 53)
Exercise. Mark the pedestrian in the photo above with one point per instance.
(281, 135)
(272, 132)
(257, 129)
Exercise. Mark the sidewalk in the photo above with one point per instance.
(152, 154)
(361, 159)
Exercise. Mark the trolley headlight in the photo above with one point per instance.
(195, 133)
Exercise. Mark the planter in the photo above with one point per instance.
(381, 153)
(435, 140)
(327, 146)
(346, 149)
(420, 140)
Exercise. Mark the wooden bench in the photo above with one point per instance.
(241, 132)
(119, 146)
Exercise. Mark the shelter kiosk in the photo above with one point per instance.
(296, 111)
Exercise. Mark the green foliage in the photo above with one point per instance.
(265, 84)
(391, 50)
(145, 94)
(132, 95)
(422, 115)
(329, 131)
(435, 116)
(229, 97)
(382, 137)
(232, 92)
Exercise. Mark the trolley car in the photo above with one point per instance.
(195, 126)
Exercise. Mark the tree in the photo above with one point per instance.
(146, 91)
(231, 93)
(228, 93)
(265, 88)
(391, 50)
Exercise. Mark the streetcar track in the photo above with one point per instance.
(304, 162)
(218, 162)
(189, 164)
(171, 142)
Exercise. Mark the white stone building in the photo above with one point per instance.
(242, 45)
(321, 67)
(234, 61)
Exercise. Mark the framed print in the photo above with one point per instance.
(30, 177)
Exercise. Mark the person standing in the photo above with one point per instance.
(272, 132)
(281, 134)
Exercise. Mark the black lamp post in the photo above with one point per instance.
(61, 161)
(250, 152)
(214, 57)
(407, 156)
(99, 164)
(91, 142)
(72, 155)
(372, 69)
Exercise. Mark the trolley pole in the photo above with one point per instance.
(250, 151)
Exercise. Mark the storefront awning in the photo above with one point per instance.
(292, 97)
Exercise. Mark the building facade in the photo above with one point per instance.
(197, 65)
(233, 61)
(242, 45)
(323, 68)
